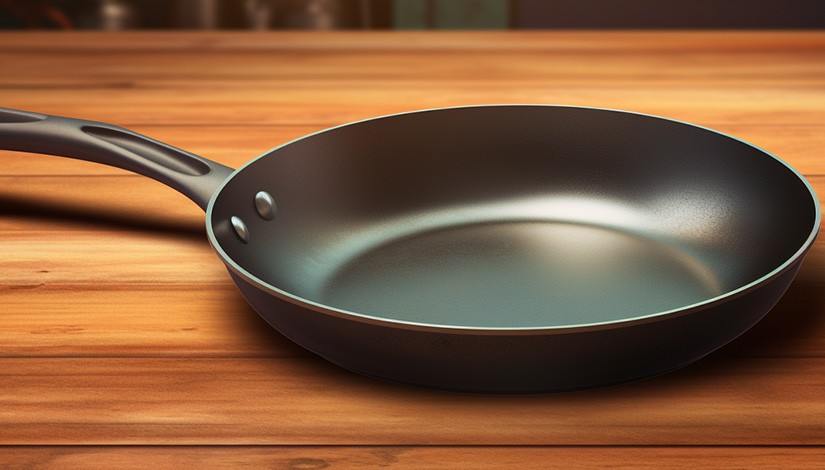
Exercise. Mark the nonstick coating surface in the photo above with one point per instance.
(514, 217)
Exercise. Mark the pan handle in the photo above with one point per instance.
(195, 177)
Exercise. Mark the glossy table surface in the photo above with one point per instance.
(124, 342)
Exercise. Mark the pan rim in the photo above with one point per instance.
(518, 330)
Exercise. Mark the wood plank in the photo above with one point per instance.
(115, 320)
(353, 69)
(279, 401)
(338, 78)
(398, 457)
(312, 106)
(622, 41)
(38, 258)
(123, 203)
(234, 145)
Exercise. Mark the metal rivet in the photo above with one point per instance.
(265, 205)
(240, 229)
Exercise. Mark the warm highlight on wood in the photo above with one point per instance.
(413, 458)
(124, 343)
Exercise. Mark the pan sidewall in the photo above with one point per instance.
(481, 362)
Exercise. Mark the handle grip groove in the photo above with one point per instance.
(195, 177)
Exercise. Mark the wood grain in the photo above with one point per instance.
(331, 79)
(314, 106)
(142, 320)
(397, 457)
(307, 401)
(121, 332)
(422, 42)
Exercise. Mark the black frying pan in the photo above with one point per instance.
(489, 248)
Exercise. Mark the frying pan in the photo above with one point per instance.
(511, 248)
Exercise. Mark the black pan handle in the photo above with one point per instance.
(195, 177)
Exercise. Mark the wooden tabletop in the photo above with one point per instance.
(123, 341)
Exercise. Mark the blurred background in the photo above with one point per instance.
(410, 14)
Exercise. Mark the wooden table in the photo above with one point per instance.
(124, 342)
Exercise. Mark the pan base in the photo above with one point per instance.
(519, 275)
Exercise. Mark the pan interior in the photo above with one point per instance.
(501, 274)
(514, 217)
